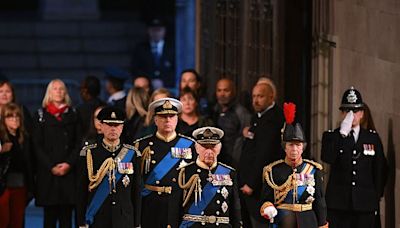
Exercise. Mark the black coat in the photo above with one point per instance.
(305, 219)
(143, 63)
(356, 179)
(122, 207)
(157, 211)
(56, 142)
(264, 148)
(215, 207)
(86, 110)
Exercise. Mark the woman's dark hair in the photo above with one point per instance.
(194, 94)
(10, 110)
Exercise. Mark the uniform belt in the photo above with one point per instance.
(206, 219)
(295, 207)
(159, 189)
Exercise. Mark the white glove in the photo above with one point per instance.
(270, 212)
(345, 126)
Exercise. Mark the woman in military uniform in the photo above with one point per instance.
(108, 184)
(209, 192)
(293, 191)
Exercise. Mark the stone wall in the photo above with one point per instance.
(368, 56)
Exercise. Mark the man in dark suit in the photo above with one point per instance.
(108, 184)
(261, 147)
(155, 57)
(115, 86)
(357, 164)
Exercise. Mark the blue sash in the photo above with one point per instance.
(103, 191)
(165, 165)
(209, 192)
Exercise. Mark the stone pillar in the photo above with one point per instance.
(185, 35)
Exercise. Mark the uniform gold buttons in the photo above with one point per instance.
(150, 143)
(157, 182)
(152, 152)
(153, 161)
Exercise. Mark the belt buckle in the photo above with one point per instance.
(168, 189)
(211, 219)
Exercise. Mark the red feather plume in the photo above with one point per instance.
(289, 110)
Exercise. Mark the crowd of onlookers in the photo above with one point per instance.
(39, 150)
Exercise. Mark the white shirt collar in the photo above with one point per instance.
(160, 45)
(356, 132)
(116, 96)
(259, 114)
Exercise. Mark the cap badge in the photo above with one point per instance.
(352, 97)
(113, 115)
(208, 133)
(167, 105)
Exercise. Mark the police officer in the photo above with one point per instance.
(161, 155)
(209, 188)
(108, 183)
(293, 191)
(357, 163)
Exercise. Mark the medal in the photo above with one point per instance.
(126, 181)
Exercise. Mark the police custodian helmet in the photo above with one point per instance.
(351, 100)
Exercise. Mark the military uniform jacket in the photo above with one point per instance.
(122, 207)
(156, 208)
(311, 193)
(225, 202)
(356, 175)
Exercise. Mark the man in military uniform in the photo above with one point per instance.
(209, 192)
(357, 164)
(293, 190)
(108, 183)
(161, 155)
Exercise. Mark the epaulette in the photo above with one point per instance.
(187, 137)
(130, 147)
(330, 131)
(316, 164)
(268, 168)
(230, 167)
(184, 164)
(140, 139)
(87, 147)
(373, 131)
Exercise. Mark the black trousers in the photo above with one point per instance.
(350, 219)
(58, 213)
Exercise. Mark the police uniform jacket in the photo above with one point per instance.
(56, 142)
(122, 207)
(309, 191)
(225, 203)
(157, 210)
(356, 177)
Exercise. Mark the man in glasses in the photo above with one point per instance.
(357, 163)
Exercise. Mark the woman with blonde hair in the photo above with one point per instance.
(57, 140)
(15, 164)
(136, 105)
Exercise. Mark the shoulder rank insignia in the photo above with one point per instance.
(268, 168)
(140, 139)
(184, 164)
(372, 131)
(187, 137)
(130, 147)
(86, 148)
(227, 166)
(316, 164)
(185, 153)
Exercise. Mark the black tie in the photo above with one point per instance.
(351, 135)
